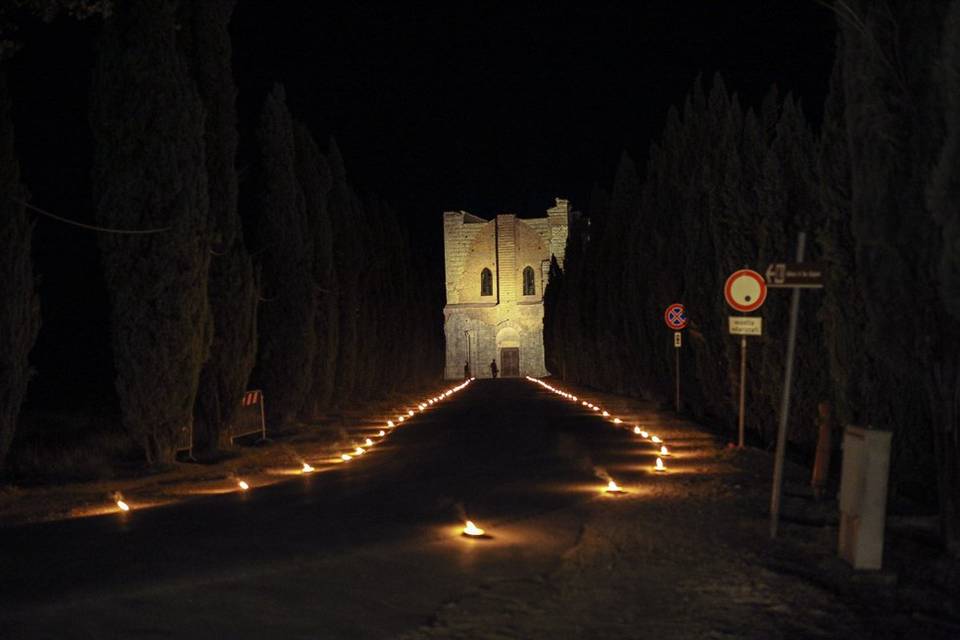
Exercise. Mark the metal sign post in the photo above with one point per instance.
(677, 341)
(798, 276)
(676, 318)
(743, 390)
(744, 291)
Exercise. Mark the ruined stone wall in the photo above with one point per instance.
(476, 326)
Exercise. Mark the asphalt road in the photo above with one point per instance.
(367, 550)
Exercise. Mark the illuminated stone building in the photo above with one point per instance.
(496, 272)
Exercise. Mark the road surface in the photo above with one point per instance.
(371, 549)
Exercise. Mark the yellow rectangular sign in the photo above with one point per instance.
(746, 325)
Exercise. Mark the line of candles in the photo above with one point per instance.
(358, 450)
(664, 452)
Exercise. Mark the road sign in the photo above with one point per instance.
(745, 290)
(675, 316)
(746, 325)
(677, 339)
(803, 275)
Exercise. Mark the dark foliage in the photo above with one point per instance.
(727, 188)
(898, 66)
(150, 174)
(232, 288)
(287, 345)
(316, 182)
(20, 311)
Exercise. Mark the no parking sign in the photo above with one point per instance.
(675, 316)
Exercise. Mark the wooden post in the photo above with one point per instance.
(821, 464)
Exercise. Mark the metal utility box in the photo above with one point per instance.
(863, 496)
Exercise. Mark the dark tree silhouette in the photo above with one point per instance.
(898, 117)
(20, 311)
(232, 288)
(149, 173)
(316, 182)
(286, 328)
(348, 259)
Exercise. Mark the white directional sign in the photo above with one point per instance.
(746, 325)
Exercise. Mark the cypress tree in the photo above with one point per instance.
(149, 173)
(894, 117)
(20, 311)
(286, 319)
(316, 182)
(347, 257)
(232, 290)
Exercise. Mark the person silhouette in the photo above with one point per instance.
(493, 368)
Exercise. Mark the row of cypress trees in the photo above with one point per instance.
(876, 189)
(288, 280)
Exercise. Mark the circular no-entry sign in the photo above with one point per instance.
(675, 316)
(745, 290)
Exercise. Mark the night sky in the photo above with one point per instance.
(469, 106)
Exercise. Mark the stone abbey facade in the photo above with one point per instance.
(496, 272)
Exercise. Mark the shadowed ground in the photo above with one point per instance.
(372, 548)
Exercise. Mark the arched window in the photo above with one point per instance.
(529, 288)
(486, 283)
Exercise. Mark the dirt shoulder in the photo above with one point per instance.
(687, 554)
(318, 443)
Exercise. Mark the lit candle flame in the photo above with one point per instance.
(401, 418)
(584, 403)
(359, 451)
(410, 413)
(596, 408)
(123, 506)
(660, 466)
(664, 451)
(381, 433)
(655, 439)
(613, 487)
(243, 485)
(472, 530)
(644, 434)
(390, 424)
(617, 421)
(636, 430)
(307, 468)
(368, 442)
(606, 415)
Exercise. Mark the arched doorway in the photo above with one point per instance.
(508, 351)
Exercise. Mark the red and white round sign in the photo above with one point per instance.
(745, 290)
(675, 316)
